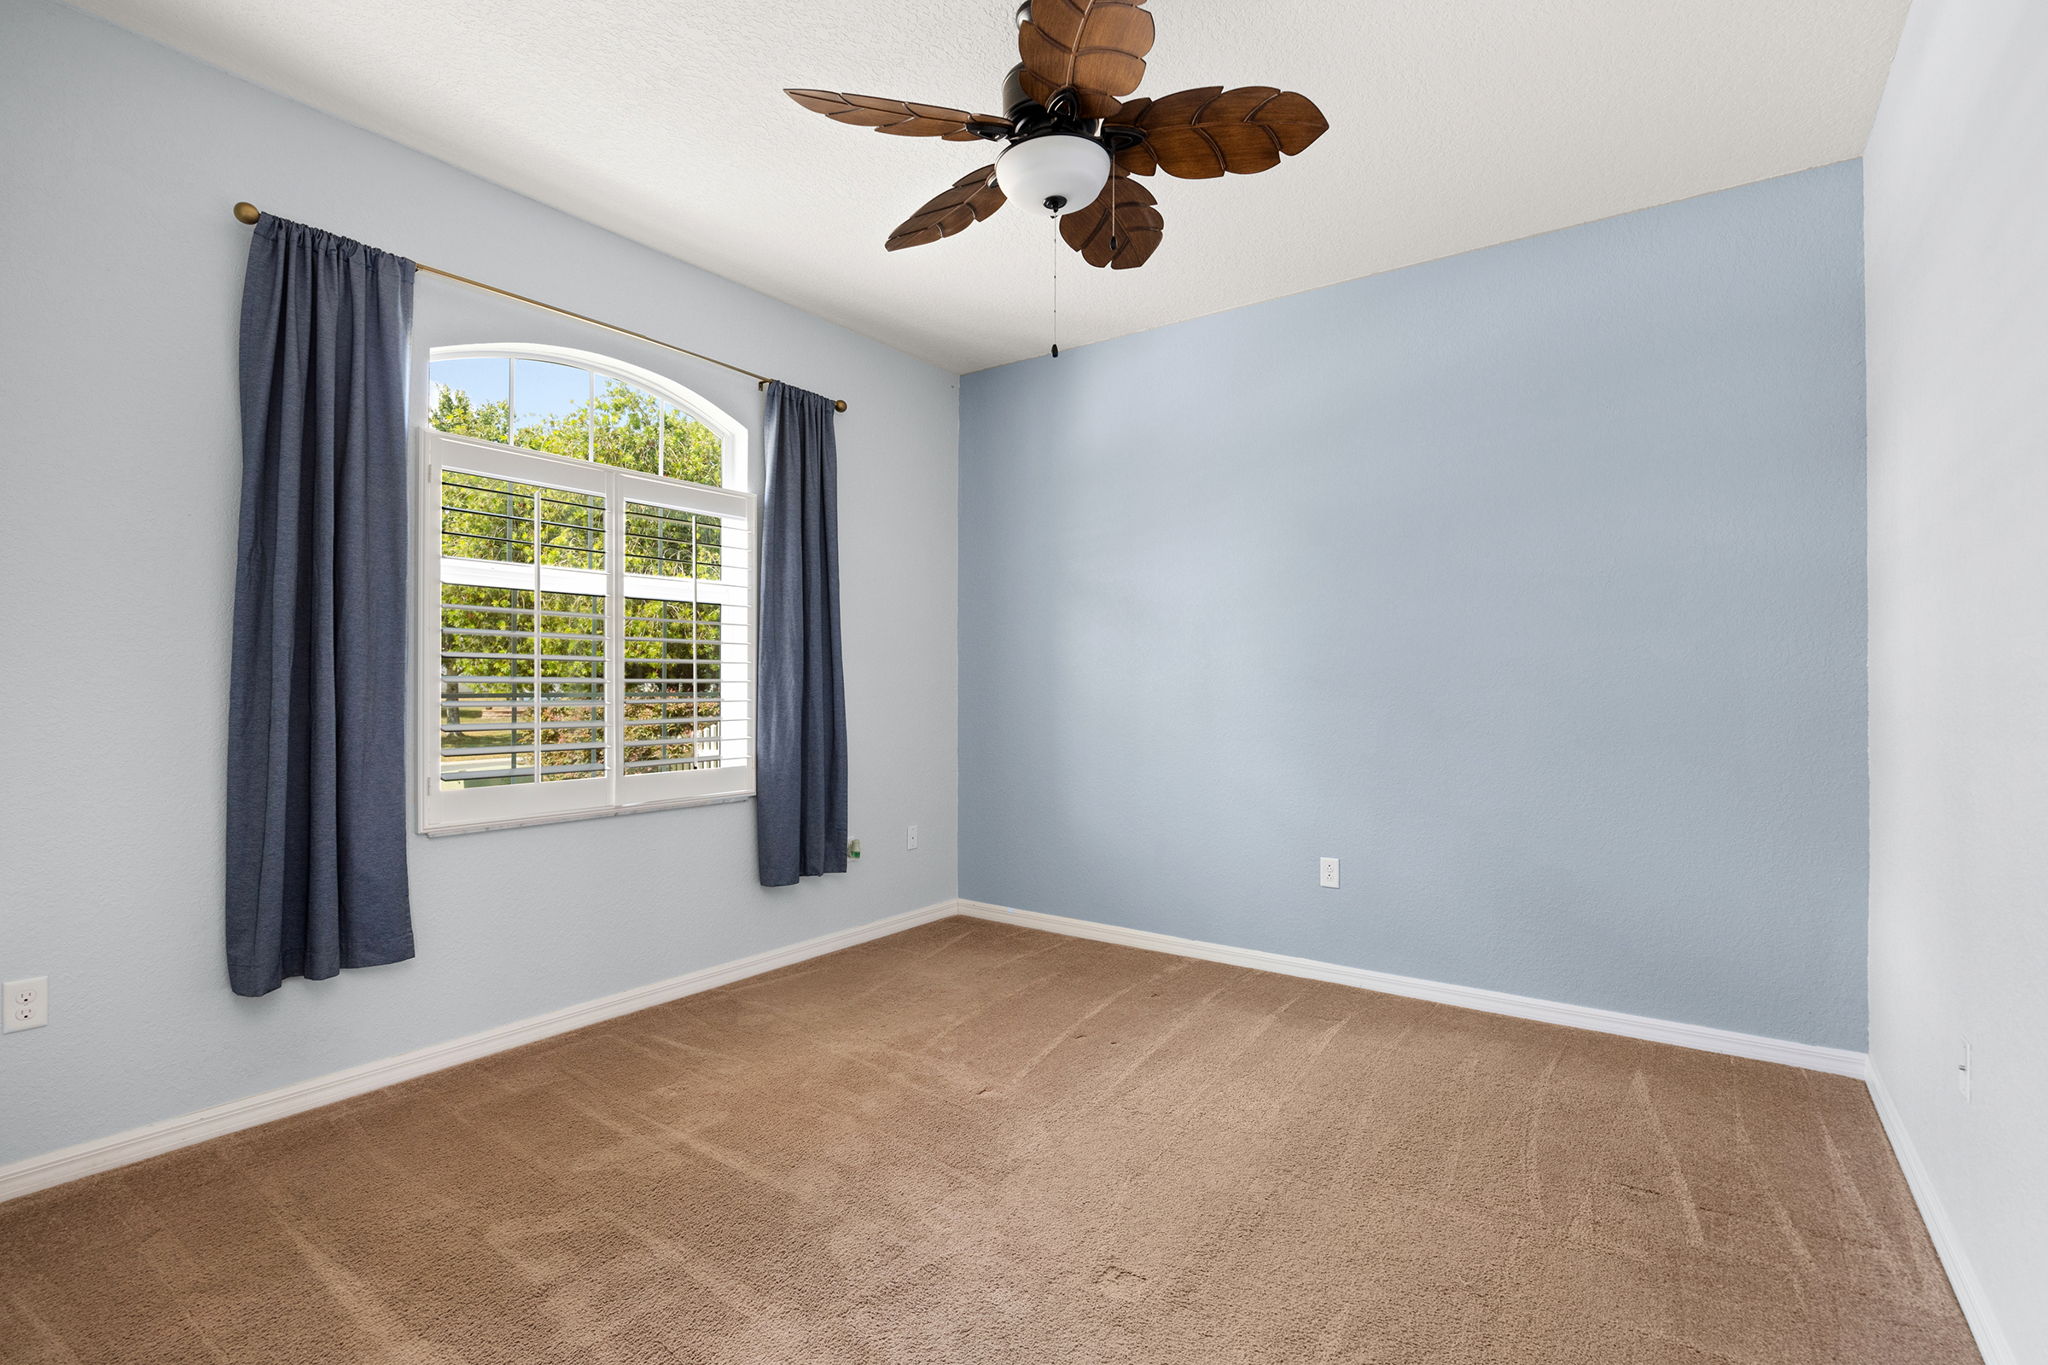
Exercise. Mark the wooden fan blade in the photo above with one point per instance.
(1096, 48)
(1201, 134)
(1121, 229)
(904, 118)
(971, 198)
(1136, 159)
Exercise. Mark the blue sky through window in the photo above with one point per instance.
(485, 381)
(543, 390)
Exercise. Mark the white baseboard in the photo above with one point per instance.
(1962, 1277)
(104, 1154)
(1812, 1057)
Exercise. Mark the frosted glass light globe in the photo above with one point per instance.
(1055, 173)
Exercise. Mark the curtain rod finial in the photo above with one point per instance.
(248, 212)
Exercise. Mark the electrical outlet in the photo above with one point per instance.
(1963, 1071)
(28, 1004)
(853, 849)
(1326, 872)
(911, 842)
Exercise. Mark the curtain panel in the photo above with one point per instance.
(316, 852)
(800, 773)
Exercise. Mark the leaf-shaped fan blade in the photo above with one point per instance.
(1121, 229)
(1200, 134)
(973, 197)
(1137, 158)
(1094, 47)
(901, 117)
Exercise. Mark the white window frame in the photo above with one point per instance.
(614, 793)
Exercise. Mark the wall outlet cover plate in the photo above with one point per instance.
(28, 1004)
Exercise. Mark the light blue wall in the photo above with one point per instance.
(120, 283)
(1528, 582)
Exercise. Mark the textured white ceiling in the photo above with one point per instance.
(1455, 124)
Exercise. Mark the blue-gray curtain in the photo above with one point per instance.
(316, 877)
(800, 772)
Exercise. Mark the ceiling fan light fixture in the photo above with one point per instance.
(1054, 171)
(1079, 144)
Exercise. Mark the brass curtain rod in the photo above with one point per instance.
(248, 213)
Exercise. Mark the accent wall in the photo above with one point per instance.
(1528, 583)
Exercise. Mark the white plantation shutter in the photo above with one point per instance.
(686, 598)
(586, 637)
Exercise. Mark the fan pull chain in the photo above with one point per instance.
(1055, 287)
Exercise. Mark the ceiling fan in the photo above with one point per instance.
(1072, 139)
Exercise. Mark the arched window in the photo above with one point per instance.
(583, 406)
(586, 591)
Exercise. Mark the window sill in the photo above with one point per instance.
(603, 813)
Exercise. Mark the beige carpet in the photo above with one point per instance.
(976, 1143)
